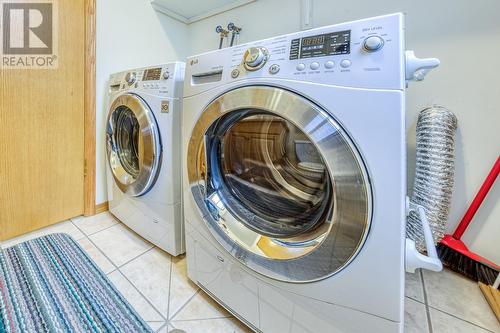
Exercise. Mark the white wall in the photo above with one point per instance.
(130, 33)
(465, 35)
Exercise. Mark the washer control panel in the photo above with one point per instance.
(363, 54)
(159, 79)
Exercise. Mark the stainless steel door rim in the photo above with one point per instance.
(320, 250)
(133, 145)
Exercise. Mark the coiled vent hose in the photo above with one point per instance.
(434, 172)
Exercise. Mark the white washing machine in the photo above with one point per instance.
(295, 177)
(143, 144)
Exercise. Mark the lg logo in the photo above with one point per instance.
(29, 38)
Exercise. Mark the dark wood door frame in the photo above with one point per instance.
(90, 109)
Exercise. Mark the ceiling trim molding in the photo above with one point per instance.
(188, 20)
(160, 8)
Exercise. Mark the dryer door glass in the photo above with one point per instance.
(133, 145)
(279, 183)
(127, 140)
(274, 172)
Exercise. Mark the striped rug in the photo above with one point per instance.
(49, 284)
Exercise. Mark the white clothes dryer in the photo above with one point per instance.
(295, 178)
(143, 153)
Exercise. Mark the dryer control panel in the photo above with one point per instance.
(165, 80)
(362, 54)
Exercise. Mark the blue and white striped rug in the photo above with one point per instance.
(50, 284)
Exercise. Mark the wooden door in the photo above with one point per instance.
(42, 133)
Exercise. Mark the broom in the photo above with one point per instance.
(454, 253)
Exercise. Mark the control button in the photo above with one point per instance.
(155, 86)
(301, 67)
(314, 66)
(373, 43)
(166, 75)
(255, 57)
(274, 69)
(130, 78)
(345, 63)
(235, 73)
(165, 106)
(329, 64)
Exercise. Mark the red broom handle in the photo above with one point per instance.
(474, 206)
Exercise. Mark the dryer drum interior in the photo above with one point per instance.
(128, 140)
(279, 183)
(133, 145)
(272, 171)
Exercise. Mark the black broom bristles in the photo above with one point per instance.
(464, 265)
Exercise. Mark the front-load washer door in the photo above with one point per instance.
(279, 183)
(133, 145)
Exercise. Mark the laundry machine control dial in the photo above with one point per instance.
(373, 43)
(255, 58)
(131, 78)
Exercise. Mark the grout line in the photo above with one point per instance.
(102, 252)
(201, 319)
(96, 232)
(117, 268)
(111, 226)
(428, 307)
(140, 293)
(184, 305)
(162, 326)
(169, 286)
(461, 319)
(426, 302)
(230, 316)
(136, 257)
(416, 300)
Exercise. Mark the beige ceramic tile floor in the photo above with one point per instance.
(156, 285)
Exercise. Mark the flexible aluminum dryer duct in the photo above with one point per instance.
(434, 172)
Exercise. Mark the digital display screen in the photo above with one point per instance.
(315, 40)
(152, 74)
(321, 45)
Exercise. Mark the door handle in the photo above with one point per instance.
(414, 259)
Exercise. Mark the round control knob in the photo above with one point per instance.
(166, 75)
(373, 43)
(130, 77)
(255, 57)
